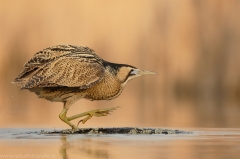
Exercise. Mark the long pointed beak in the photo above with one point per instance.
(139, 72)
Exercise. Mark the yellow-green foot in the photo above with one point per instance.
(89, 114)
(98, 113)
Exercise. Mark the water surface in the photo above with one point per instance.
(202, 143)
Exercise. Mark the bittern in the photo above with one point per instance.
(67, 73)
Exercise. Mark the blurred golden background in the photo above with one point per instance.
(193, 45)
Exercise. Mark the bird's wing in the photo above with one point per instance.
(67, 71)
(49, 54)
(33, 73)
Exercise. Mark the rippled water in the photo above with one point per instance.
(203, 143)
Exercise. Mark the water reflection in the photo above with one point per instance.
(214, 144)
(95, 149)
(64, 147)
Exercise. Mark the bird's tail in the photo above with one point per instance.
(20, 82)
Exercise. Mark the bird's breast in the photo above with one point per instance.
(108, 88)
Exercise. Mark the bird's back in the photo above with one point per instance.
(62, 65)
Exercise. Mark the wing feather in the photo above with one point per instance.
(62, 65)
(68, 71)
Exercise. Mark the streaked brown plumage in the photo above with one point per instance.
(66, 73)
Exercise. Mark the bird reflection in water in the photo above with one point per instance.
(64, 147)
(85, 146)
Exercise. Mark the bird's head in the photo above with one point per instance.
(126, 73)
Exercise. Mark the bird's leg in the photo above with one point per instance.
(63, 114)
(63, 117)
(91, 113)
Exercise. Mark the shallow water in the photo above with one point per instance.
(203, 143)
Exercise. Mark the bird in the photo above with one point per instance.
(67, 73)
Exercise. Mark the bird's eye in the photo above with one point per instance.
(132, 72)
